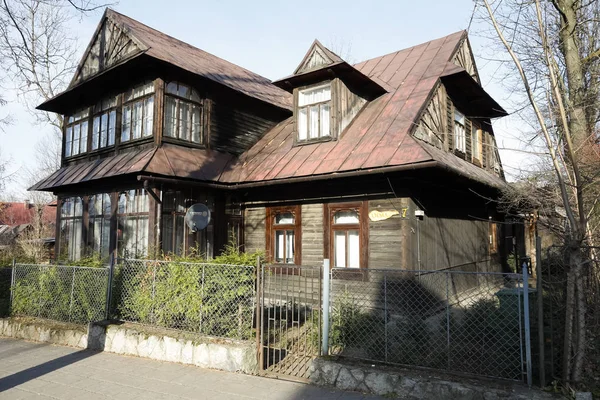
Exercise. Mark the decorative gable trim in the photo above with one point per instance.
(111, 44)
(318, 56)
(463, 57)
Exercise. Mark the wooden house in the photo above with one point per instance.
(390, 162)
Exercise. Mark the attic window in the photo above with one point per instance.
(313, 114)
(460, 139)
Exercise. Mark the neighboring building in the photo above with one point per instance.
(20, 218)
(391, 162)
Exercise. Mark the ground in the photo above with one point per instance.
(42, 371)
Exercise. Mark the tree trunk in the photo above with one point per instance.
(568, 339)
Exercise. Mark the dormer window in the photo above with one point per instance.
(183, 113)
(460, 138)
(313, 115)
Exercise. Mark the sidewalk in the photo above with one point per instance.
(41, 371)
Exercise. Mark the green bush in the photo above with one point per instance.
(182, 293)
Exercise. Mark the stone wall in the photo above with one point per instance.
(141, 341)
(411, 385)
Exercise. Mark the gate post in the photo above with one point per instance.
(526, 322)
(325, 308)
(259, 350)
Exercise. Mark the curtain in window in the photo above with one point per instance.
(314, 95)
(99, 219)
(353, 250)
(170, 117)
(340, 249)
(71, 219)
(302, 124)
(133, 223)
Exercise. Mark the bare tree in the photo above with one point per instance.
(554, 49)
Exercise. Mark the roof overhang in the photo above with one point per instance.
(343, 70)
(467, 94)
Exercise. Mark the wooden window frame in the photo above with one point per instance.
(122, 216)
(190, 103)
(329, 210)
(98, 112)
(271, 212)
(70, 125)
(297, 108)
(131, 103)
(455, 123)
(493, 238)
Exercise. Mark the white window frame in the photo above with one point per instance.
(305, 129)
(460, 134)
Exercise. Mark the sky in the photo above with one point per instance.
(271, 37)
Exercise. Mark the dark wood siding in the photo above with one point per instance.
(345, 106)
(312, 234)
(387, 237)
(254, 229)
(234, 128)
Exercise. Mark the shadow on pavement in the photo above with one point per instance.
(29, 374)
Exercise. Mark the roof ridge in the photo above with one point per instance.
(411, 47)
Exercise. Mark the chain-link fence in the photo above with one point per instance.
(450, 320)
(212, 299)
(61, 293)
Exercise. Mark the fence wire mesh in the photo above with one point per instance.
(449, 320)
(212, 299)
(62, 293)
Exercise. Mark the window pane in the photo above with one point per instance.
(104, 131)
(195, 96)
(112, 124)
(314, 95)
(179, 234)
(184, 91)
(284, 218)
(68, 141)
(170, 116)
(289, 247)
(95, 133)
(345, 217)
(279, 246)
(172, 87)
(459, 117)
(196, 124)
(148, 116)
(302, 124)
(339, 249)
(76, 133)
(136, 120)
(184, 121)
(353, 250)
(324, 120)
(167, 234)
(126, 132)
(313, 131)
(84, 135)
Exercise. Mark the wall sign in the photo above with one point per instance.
(382, 215)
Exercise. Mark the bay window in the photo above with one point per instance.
(460, 142)
(104, 123)
(283, 234)
(99, 210)
(183, 113)
(132, 223)
(71, 221)
(76, 133)
(138, 112)
(313, 113)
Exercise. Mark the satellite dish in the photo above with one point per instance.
(197, 217)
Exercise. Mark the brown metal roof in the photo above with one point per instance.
(167, 160)
(173, 51)
(379, 137)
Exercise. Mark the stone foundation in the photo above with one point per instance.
(410, 384)
(141, 341)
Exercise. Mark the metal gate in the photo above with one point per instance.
(290, 320)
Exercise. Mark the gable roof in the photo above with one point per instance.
(153, 43)
(380, 136)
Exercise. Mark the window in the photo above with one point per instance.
(71, 221)
(176, 236)
(283, 234)
(132, 223)
(183, 113)
(345, 231)
(99, 207)
(138, 112)
(477, 135)
(460, 143)
(104, 124)
(76, 133)
(313, 120)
